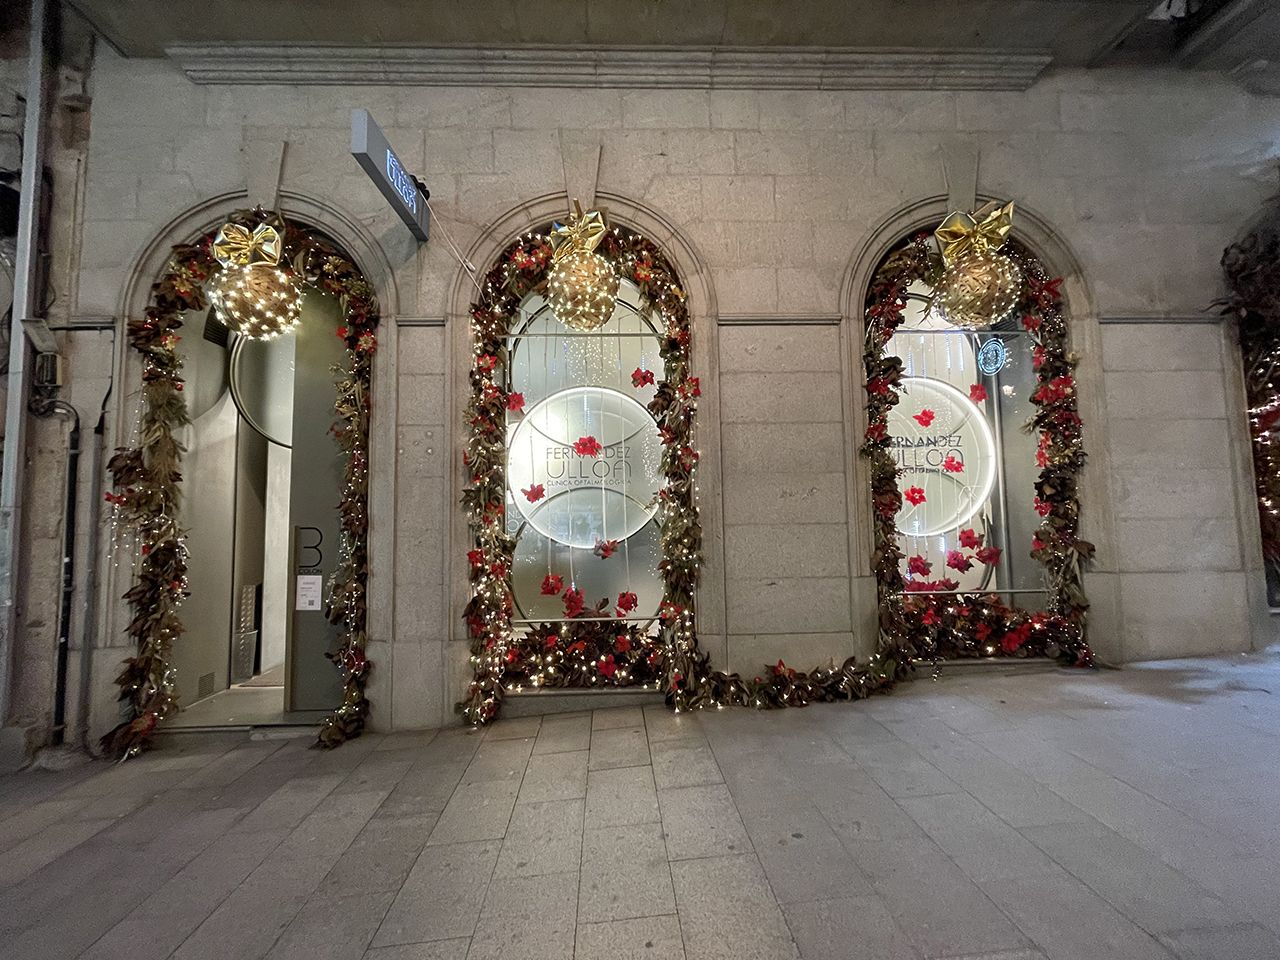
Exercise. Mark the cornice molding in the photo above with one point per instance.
(727, 68)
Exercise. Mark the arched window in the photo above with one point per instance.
(975, 450)
(580, 463)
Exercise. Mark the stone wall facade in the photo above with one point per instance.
(772, 203)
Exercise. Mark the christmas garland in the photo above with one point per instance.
(147, 480)
(1252, 271)
(586, 648)
(927, 625)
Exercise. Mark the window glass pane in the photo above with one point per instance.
(588, 519)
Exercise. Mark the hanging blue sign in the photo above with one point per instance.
(374, 154)
(992, 356)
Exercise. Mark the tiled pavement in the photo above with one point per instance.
(1056, 815)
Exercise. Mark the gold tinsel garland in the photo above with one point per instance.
(147, 480)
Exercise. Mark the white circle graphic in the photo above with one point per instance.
(945, 450)
(585, 499)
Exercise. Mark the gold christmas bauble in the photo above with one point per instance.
(256, 300)
(979, 289)
(582, 290)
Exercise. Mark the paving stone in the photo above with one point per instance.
(533, 918)
(619, 747)
(625, 874)
(839, 928)
(555, 776)
(442, 896)
(563, 734)
(622, 796)
(701, 822)
(477, 811)
(542, 838)
(647, 938)
(683, 763)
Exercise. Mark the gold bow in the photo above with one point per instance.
(234, 244)
(582, 233)
(962, 233)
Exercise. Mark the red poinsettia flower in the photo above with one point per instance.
(573, 602)
(1015, 638)
(521, 259)
(780, 669)
(622, 644)
(952, 465)
(367, 342)
(534, 493)
(342, 333)
(486, 362)
(578, 646)
(627, 601)
(946, 583)
(977, 393)
(914, 496)
(877, 431)
(693, 387)
(1031, 322)
(604, 549)
(641, 377)
(958, 561)
(1036, 544)
(668, 610)
(982, 631)
(930, 618)
(498, 569)
(1042, 507)
(587, 447)
(607, 667)
(924, 417)
(878, 386)
(515, 402)
(970, 539)
(476, 557)
(919, 566)
(552, 584)
(1037, 357)
(989, 556)
(553, 640)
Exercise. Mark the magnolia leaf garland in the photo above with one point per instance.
(147, 480)
(917, 626)
(591, 652)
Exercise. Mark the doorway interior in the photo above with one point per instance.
(261, 479)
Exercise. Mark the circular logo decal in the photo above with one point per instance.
(992, 356)
(946, 457)
(585, 499)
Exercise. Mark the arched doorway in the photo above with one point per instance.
(228, 490)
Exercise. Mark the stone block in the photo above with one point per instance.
(539, 109)
(785, 347)
(1188, 494)
(421, 350)
(699, 152)
(788, 605)
(761, 551)
(261, 105)
(1150, 395)
(421, 451)
(463, 149)
(1153, 544)
(670, 109)
(739, 197)
(900, 110)
(765, 448)
(748, 290)
(1169, 445)
(1183, 614)
(780, 398)
(801, 110)
(805, 290)
(417, 691)
(435, 107)
(421, 399)
(163, 196)
(785, 498)
(1023, 110)
(735, 109)
(148, 92)
(772, 152)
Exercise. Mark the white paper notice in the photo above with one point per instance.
(310, 594)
